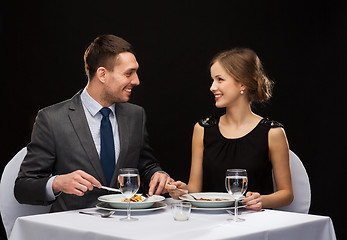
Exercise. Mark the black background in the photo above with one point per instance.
(302, 46)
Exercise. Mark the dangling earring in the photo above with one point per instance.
(242, 92)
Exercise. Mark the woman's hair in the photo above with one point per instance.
(102, 52)
(245, 67)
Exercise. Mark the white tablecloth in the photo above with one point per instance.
(159, 224)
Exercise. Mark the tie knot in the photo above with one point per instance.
(105, 111)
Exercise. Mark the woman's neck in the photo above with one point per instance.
(240, 115)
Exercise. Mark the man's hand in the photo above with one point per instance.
(77, 182)
(158, 183)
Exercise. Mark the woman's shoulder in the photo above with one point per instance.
(208, 121)
(270, 123)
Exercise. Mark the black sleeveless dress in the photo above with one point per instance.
(250, 152)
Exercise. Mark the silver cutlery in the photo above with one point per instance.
(193, 197)
(146, 198)
(103, 215)
(109, 188)
(244, 211)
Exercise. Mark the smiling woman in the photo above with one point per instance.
(240, 139)
(244, 66)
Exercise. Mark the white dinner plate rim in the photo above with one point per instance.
(216, 208)
(152, 208)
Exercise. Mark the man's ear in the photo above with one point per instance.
(101, 74)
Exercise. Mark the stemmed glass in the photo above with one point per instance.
(129, 183)
(236, 182)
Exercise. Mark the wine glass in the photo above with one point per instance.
(236, 182)
(129, 183)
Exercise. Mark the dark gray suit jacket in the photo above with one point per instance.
(61, 143)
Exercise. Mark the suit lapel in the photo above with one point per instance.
(123, 139)
(80, 124)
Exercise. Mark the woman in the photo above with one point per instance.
(240, 138)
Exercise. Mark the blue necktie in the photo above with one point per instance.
(107, 151)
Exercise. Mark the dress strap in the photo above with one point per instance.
(208, 121)
(271, 123)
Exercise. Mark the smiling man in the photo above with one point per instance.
(83, 142)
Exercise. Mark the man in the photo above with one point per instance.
(83, 142)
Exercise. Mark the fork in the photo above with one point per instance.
(193, 196)
(146, 198)
(103, 215)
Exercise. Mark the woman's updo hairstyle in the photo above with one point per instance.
(245, 67)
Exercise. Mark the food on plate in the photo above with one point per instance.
(135, 198)
(213, 199)
(204, 199)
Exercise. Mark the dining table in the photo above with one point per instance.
(160, 224)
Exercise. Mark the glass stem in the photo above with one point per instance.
(236, 210)
(128, 209)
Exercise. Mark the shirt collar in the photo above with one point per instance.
(91, 105)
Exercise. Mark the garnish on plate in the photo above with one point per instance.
(135, 198)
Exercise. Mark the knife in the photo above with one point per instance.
(109, 188)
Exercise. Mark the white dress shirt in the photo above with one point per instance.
(94, 117)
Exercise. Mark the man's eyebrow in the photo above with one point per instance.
(132, 69)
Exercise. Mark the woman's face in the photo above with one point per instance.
(225, 89)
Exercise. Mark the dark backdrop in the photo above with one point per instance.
(302, 46)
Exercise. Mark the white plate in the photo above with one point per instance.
(217, 209)
(108, 207)
(115, 201)
(209, 204)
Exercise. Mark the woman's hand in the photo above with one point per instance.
(253, 201)
(176, 189)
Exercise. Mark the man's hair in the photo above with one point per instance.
(103, 52)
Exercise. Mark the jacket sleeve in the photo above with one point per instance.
(37, 165)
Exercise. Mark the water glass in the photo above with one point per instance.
(236, 183)
(129, 183)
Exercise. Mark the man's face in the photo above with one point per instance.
(120, 82)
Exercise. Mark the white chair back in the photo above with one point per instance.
(301, 186)
(9, 207)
